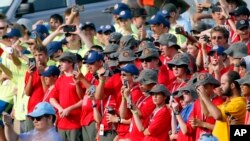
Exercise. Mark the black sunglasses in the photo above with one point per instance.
(147, 60)
(178, 66)
(38, 118)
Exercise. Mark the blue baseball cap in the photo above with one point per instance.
(130, 68)
(125, 14)
(53, 47)
(14, 33)
(51, 71)
(159, 19)
(119, 7)
(219, 49)
(110, 28)
(42, 108)
(40, 28)
(164, 13)
(100, 29)
(93, 56)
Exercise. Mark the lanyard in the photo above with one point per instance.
(140, 101)
(154, 113)
(48, 92)
(174, 87)
(102, 108)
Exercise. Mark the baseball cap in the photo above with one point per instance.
(109, 28)
(199, 27)
(159, 19)
(13, 33)
(149, 52)
(115, 37)
(207, 137)
(242, 24)
(170, 7)
(206, 78)
(145, 44)
(68, 56)
(88, 24)
(130, 68)
(93, 56)
(244, 80)
(139, 12)
(100, 29)
(164, 13)
(160, 88)
(42, 29)
(42, 108)
(237, 50)
(179, 59)
(168, 39)
(147, 76)
(219, 49)
(119, 7)
(190, 88)
(241, 10)
(126, 56)
(125, 14)
(53, 47)
(25, 22)
(51, 71)
(110, 48)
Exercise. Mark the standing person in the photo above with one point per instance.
(43, 117)
(66, 98)
(187, 96)
(50, 75)
(245, 92)
(159, 124)
(34, 83)
(233, 107)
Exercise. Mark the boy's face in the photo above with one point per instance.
(50, 80)
(54, 24)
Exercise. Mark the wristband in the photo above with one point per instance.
(176, 112)
(134, 112)
(119, 120)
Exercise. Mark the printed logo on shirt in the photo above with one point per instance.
(239, 132)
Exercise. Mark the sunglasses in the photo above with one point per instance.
(217, 37)
(146, 60)
(29, 43)
(124, 74)
(179, 66)
(38, 118)
(3, 27)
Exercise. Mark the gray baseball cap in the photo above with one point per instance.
(149, 52)
(115, 37)
(169, 40)
(206, 78)
(190, 88)
(147, 76)
(244, 80)
(159, 88)
(111, 48)
(145, 44)
(179, 59)
(237, 50)
(126, 56)
(68, 56)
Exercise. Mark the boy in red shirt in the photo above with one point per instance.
(66, 98)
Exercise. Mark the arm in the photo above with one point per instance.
(6, 71)
(79, 90)
(54, 102)
(51, 36)
(9, 132)
(182, 124)
(138, 121)
(123, 108)
(28, 87)
(217, 115)
(97, 115)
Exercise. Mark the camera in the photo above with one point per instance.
(75, 67)
(69, 28)
(32, 62)
(178, 30)
(110, 110)
(9, 50)
(92, 90)
(206, 38)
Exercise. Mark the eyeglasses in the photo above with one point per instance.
(185, 92)
(217, 37)
(38, 118)
(147, 60)
(178, 66)
(107, 32)
(29, 43)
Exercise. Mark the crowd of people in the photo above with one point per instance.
(154, 75)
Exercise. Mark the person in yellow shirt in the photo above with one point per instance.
(232, 111)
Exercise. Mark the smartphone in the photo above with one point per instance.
(178, 30)
(69, 28)
(32, 62)
(125, 83)
(110, 110)
(206, 38)
(9, 50)
(92, 90)
(75, 67)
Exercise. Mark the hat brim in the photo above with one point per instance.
(140, 80)
(36, 114)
